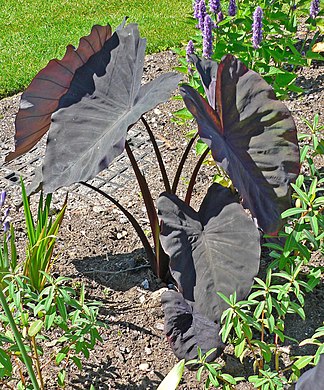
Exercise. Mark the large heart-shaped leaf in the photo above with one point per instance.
(215, 249)
(105, 97)
(251, 135)
(187, 330)
(42, 96)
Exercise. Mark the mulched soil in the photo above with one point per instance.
(98, 246)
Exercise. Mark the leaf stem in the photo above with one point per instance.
(37, 363)
(181, 164)
(161, 263)
(158, 156)
(132, 220)
(276, 353)
(262, 337)
(194, 176)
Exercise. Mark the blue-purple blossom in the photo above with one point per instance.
(6, 226)
(220, 16)
(196, 9)
(214, 6)
(190, 50)
(232, 8)
(314, 8)
(257, 27)
(201, 15)
(208, 37)
(2, 198)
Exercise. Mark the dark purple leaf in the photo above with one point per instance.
(313, 378)
(42, 96)
(186, 330)
(216, 249)
(251, 135)
(105, 98)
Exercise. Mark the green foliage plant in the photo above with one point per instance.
(42, 236)
(279, 54)
(35, 304)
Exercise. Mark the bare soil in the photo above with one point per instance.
(97, 246)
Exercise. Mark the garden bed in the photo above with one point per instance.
(98, 247)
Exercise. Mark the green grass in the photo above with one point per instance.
(34, 31)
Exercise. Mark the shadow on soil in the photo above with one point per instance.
(119, 272)
(100, 374)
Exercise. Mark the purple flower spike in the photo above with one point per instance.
(232, 8)
(208, 37)
(314, 8)
(2, 198)
(196, 9)
(257, 27)
(214, 6)
(202, 14)
(220, 16)
(190, 50)
(6, 226)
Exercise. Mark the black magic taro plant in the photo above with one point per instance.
(89, 100)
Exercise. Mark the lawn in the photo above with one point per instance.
(33, 32)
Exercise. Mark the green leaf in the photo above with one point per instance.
(293, 211)
(35, 328)
(258, 310)
(227, 300)
(280, 334)
(227, 327)
(62, 354)
(297, 309)
(269, 303)
(318, 354)
(265, 349)
(271, 323)
(62, 309)
(77, 362)
(239, 348)
(228, 378)
(5, 364)
(171, 381)
(61, 378)
(303, 196)
(302, 362)
(183, 113)
(213, 379)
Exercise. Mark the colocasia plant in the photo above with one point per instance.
(251, 135)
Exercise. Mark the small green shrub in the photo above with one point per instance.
(34, 305)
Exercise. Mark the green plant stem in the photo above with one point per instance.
(251, 349)
(27, 360)
(158, 156)
(38, 368)
(276, 353)
(262, 338)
